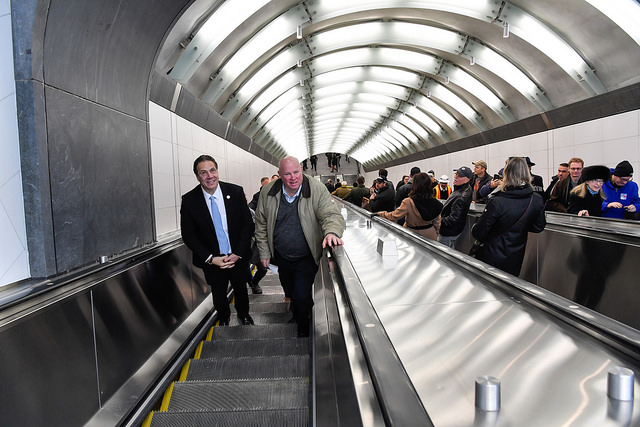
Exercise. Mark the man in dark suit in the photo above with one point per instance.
(217, 226)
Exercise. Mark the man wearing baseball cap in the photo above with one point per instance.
(455, 209)
(382, 197)
(621, 192)
(481, 177)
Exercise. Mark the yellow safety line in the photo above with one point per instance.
(209, 334)
(185, 371)
(166, 398)
(198, 352)
(147, 420)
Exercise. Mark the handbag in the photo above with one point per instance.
(365, 204)
(477, 245)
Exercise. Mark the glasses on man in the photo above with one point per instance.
(625, 178)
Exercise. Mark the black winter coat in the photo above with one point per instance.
(383, 200)
(505, 240)
(455, 209)
(590, 202)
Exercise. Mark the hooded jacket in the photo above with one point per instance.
(503, 229)
(422, 215)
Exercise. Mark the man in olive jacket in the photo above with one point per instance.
(296, 219)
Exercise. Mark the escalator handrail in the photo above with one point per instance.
(398, 399)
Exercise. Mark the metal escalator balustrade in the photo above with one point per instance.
(452, 319)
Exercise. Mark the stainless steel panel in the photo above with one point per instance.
(134, 313)
(47, 367)
(591, 261)
(449, 326)
(66, 352)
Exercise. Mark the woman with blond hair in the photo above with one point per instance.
(508, 217)
(421, 210)
(586, 199)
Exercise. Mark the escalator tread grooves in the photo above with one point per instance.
(263, 331)
(257, 348)
(249, 367)
(215, 396)
(298, 417)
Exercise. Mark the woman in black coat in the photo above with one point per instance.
(586, 199)
(508, 218)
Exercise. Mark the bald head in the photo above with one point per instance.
(291, 174)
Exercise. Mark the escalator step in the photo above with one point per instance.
(248, 368)
(254, 348)
(271, 318)
(268, 307)
(265, 297)
(216, 396)
(283, 330)
(276, 418)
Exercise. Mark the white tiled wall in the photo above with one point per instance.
(604, 141)
(14, 258)
(175, 143)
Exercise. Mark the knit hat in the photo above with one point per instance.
(595, 172)
(623, 169)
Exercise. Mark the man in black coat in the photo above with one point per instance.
(455, 209)
(216, 225)
(382, 197)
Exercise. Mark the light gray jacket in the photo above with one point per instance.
(318, 214)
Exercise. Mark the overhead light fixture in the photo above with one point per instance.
(299, 32)
(505, 30)
(446, 80)
(301, 82)
(299, 63)
(472, 60)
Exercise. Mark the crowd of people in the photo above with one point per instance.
(236, 243)
(515, 200)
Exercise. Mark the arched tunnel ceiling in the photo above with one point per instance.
(383, 79)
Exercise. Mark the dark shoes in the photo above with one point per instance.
(257, 290)
(245, 320)
(223, 322)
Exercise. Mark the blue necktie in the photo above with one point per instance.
(223, 241)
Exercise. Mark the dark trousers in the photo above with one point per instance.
(254, 279)
(297, 279)
(219, 279)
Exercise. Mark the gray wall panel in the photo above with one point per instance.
(104, 50)
(36, 187)
(100, 180)
(47, 367)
